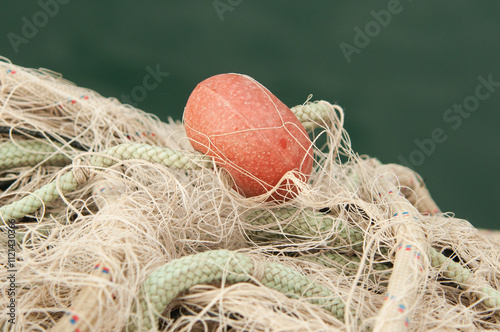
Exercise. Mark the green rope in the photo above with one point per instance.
(490, 297)
(460, 275)
(452, 270)
(343, 263)
(67, 183)
(308, 225)
(223, 266)
(313, 115)
(38, 198)
(303, 224)
(171, 158)
(287, 222)
(31, 153)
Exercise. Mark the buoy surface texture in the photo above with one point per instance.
(250, 133)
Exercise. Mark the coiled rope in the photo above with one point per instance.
(69, 181)
(27, 155)
(163, 285)
(221, 266)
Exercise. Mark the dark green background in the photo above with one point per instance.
(395, 91)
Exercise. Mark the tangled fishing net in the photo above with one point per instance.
(112, 222)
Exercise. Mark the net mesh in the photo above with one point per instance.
(83, 260)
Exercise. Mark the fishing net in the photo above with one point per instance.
(112, 222)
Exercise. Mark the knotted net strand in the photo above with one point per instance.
(85, 259)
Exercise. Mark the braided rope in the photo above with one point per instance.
(313, 115)
(25, 153)
(489, 296)
(463, 277)
(33, 152)
(305, 224)
(414, 189)
(407, 277)
(349, 264)
(68, 182)
(167, 282)
(164, 156)
(78, 317)
(30, 153)
(413, 253)
(452, 270)
(295, 224)
(38, 198)
(283, 222)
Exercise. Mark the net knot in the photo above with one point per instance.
(259, 268)
(81, 170)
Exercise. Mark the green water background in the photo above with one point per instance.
(395, 89)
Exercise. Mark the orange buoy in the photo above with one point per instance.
(250, 133)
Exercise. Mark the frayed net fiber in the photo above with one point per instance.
(112, 222)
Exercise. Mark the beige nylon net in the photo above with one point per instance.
(368, 235)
